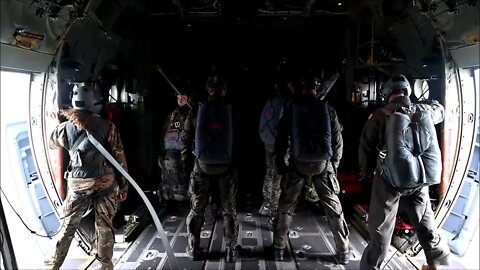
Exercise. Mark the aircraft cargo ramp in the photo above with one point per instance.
(311, 245)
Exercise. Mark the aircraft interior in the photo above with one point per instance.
(119, 46)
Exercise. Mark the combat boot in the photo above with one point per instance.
(429, 267)
(343, 257)
(265, 209)
(278, 254)
(194, 253)
(232, 253)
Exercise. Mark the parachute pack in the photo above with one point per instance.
(411, 157)
(214, 134)
(312, 135)
(271, 114)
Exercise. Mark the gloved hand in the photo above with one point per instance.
(122, 189)
(160, 162)
(122, 195)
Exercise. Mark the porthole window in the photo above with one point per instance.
(421, 89)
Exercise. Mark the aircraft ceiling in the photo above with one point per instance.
(38, 25)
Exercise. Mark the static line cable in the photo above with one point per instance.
(173, 261)
(171, 84)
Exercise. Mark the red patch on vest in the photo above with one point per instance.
(312, 122)
(268, 113)
(214, 125)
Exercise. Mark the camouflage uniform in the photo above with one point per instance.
(385, 199)
(173, 167)
(272, 179)
(200, 189)
(269, 119)
(325, 182)
(99, 191)
(271, 184)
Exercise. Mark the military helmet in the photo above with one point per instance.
(310, 80)
(215, 82)
(85, 98)
(185, 87)
(396, 82)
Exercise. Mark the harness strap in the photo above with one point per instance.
(72, 151)
(78, 141)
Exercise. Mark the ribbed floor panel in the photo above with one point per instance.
(311, 245)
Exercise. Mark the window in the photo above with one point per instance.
(421, 89)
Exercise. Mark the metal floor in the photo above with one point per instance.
(311, 245)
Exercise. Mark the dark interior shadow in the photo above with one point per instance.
(247, 254)
(267, 254)
(325, 258)
(214, 255)
(266, 227)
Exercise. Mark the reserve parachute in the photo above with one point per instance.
(412, 156)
